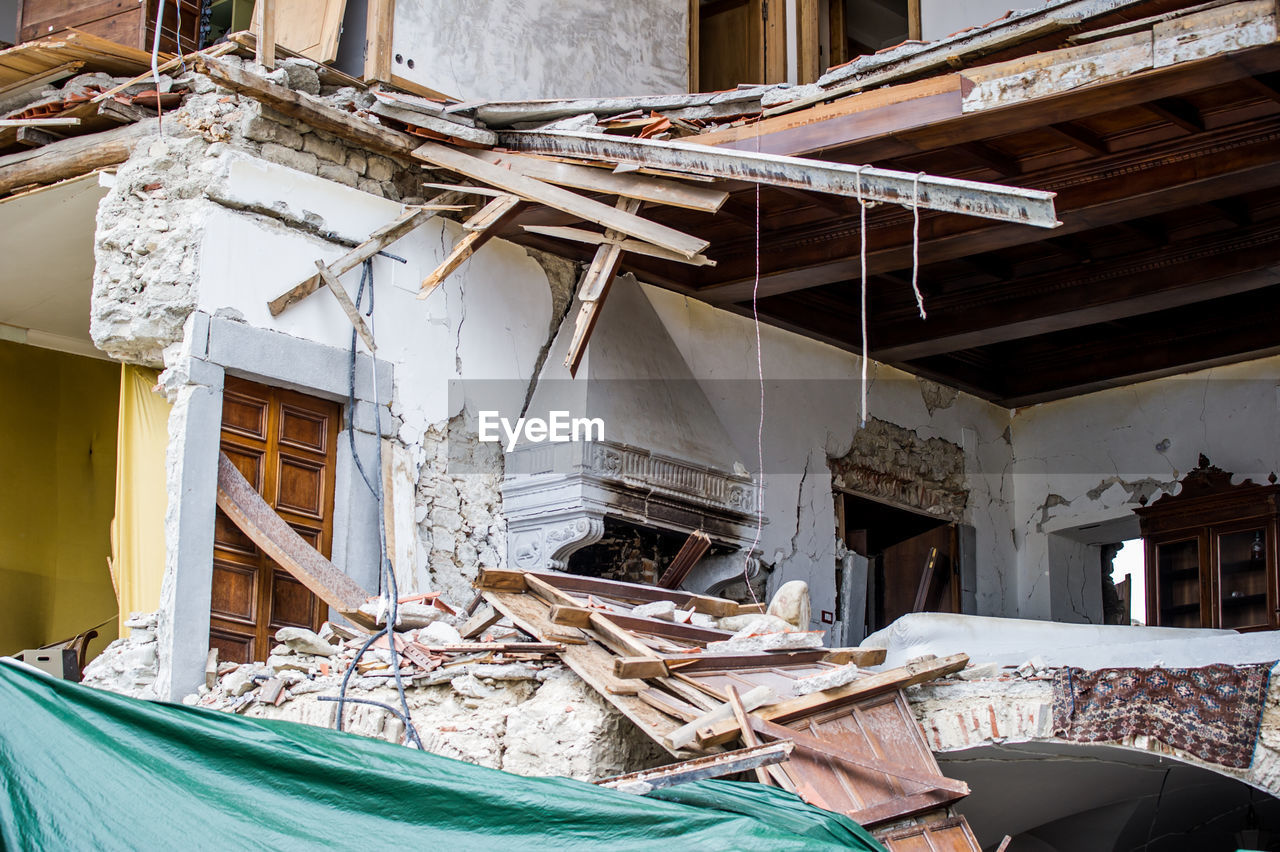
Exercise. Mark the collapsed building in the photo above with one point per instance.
(934, 331)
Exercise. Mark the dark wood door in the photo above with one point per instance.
(284, 443)
(902, 569)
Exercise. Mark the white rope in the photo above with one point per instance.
(155, 65)
(862, 236)
(755, 314)
(915, 246)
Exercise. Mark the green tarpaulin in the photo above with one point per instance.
(84, 769)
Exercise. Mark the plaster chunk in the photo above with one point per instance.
(791, 604)
(304, 641)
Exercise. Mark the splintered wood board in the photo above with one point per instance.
(590, 662)
(945, 835)
(882, 727)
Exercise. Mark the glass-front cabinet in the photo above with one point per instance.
(1211, 553)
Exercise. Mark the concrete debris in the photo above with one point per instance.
(1032, 667)
(304, 641)
(757, 623)
(791, 604)
(439, 633)
(760, 636)
(665, 610)
(130, 664)
(829, 679)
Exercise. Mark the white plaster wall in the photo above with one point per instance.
(525, 49)
(811, 413)
(491, 315)
(941, 18)
(1088, 460)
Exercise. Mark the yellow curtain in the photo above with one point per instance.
(137, 531)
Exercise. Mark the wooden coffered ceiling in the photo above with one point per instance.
(1168, 258)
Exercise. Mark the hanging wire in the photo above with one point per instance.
(862, 237)
(155, 65)
(915, 245)
(391, 594)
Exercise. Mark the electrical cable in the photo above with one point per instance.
(862, 237)
(388, 575)
(155, 65)
(915, 245)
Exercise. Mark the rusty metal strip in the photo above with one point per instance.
(248, 511)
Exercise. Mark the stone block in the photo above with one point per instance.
(338, 174)
(303, 161)
(325, 148)
(261, 129)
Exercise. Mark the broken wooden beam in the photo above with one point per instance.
(250, 513)
(771, 777)
(264, 29)
(948, 195)
(46, 121)
(701, 768)
(578, 235)
(348, 307)
(479, 229)
(686, 734)
(645, 188)
(873, 684)
(410, 219)
(399, 111)
(651, 666)
(480, 622)
(595, 285)
(72, 157)
(813, 745)
(464, 163)
(508, 580)
(693, 549)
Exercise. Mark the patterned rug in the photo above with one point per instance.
(1211, 712)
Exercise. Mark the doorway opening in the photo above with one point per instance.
(911, 560)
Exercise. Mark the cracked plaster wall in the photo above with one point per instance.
(1091, 459)
(811, 416)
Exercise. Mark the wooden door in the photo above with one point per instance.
(902, 572)
(284, 443)
(741, 41)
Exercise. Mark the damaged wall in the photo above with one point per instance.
(811, 417)
(500, 50)
(234, 206)
(1092, 459)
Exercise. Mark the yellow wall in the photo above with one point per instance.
(58, 416)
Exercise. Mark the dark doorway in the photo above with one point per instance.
(912, 558)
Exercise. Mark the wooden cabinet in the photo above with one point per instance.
(1211, 553)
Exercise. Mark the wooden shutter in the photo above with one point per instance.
(285, 444)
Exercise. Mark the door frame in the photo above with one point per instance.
(219, 347)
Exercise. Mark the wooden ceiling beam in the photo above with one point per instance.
(1191, 271)
(989, 156)
(1208, 334)
(1177, 112)
(1162, 178)
(1081, 137)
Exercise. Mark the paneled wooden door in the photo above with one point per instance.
(285, 444)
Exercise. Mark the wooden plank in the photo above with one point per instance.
(34, 137)
(594, 287)
(926, 580)
(480, 228)
(875, 684)
(578, 235)
(580, 616)
(379, 21)
(348, 307)
(591, 663)
(651, 190)
(693, 549)
(309, 27)
(809, 743)
(749, 738)
(617, 637)
(701, 768)
(480, 622)
(635, 593)
(51, 121)
(560, 199)
(669, 704)
(71, 157)
(407, 221)
(37, 81)
(264, 19)
(398, 111)
(660, 665)
(248, 511)
(687, 733)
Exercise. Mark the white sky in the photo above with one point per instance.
(1128, 563)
